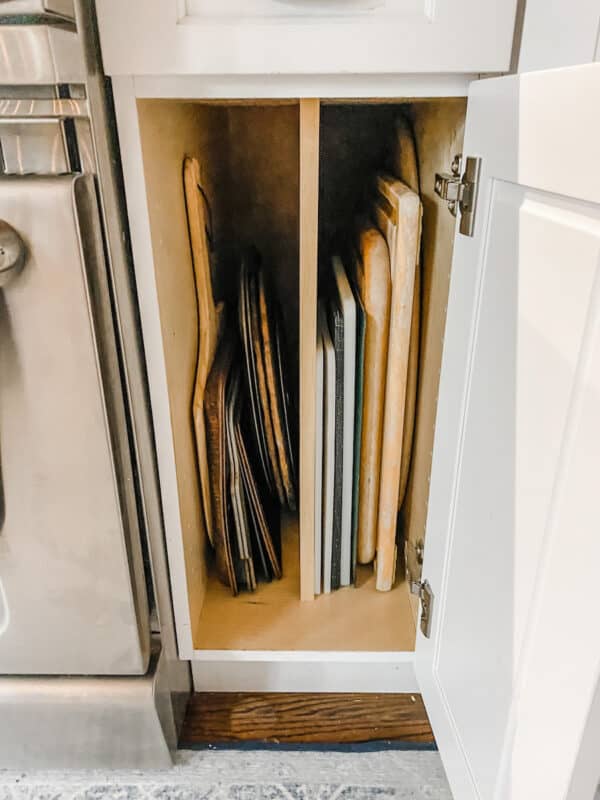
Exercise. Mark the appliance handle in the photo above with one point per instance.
(62, 9)
(13, 253)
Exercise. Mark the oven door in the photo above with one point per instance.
(63, 9)
(72, 591)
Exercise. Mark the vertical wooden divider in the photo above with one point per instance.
(309, 223)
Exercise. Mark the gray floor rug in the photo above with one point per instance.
(248, 775)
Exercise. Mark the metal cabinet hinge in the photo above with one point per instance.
(423, 589)
(460, 191)
(413, 555)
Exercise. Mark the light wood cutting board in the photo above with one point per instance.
(405, 166)
(398, 214)
(373, 281)
(210, 322)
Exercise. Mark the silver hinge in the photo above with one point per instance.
(413, 555)
(423, 589)
(460, 191)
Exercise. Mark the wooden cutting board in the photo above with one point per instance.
(373, 281)
(210, 323)
(405, 166)
(404, 163)
(398, 212)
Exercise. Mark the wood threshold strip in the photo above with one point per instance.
(217, 717)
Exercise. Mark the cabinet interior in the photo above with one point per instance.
(252, 157)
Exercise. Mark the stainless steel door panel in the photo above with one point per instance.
(37, 147)
(63, 8)
(14, 106)
(40, 54)
(70, 597)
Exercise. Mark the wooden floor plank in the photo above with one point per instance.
(304, 718)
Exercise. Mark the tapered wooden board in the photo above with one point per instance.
(209, 321)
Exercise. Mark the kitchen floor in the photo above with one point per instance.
(249, 774)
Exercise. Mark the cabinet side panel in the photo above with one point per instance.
(439, 132)
(169, 131)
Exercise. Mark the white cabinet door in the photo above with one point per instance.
(224, 37)
(559, 33)
(513, 535)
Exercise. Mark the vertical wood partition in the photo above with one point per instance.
(309, 220)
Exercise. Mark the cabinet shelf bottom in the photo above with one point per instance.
(355, 619)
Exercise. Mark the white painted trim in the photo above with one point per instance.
(143, 262)
(312, 656)
(303, 671)
(210, 87)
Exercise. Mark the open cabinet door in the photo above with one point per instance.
(510, 669)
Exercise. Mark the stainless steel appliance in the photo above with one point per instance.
(61, 8)
(89, 674)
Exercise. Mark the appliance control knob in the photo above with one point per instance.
(12, 252)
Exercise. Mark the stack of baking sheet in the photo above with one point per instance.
(250, 443)
(241, 410)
